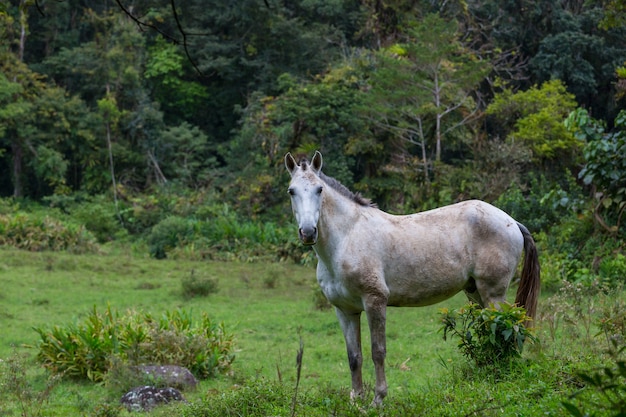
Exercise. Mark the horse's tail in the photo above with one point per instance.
(530, 281)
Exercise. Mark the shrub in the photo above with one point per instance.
(86, 350)
(167, 234)
(99, 218)
(194, 286)
(35, 232)
(488, 336)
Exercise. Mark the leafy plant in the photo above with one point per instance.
(36, 232)
(488, 336)
(86, 350)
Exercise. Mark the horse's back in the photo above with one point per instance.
(428, 257)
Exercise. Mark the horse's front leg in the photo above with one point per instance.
(376, 311)
(351, 327)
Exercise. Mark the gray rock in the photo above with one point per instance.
(147, 397)
(170, 376)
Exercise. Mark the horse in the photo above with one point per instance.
(369, 259)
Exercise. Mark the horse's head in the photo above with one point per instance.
(305, 189)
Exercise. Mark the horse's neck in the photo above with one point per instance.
(338, 216)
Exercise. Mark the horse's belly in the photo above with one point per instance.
(422, 293)
(424, 281)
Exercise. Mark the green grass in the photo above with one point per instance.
(269, 308)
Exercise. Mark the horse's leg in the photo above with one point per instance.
(351, 327)
(376, 317)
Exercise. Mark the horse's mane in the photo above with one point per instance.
(340, 188)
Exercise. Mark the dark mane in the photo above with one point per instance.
(343, 190)
(339, 187)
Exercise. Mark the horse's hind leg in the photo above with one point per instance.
(351, 327)
(492, 289)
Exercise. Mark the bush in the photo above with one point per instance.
(35, 232)
(168, 234)
(488, 336)
(194, 286)
(99, 218)
(86, 350)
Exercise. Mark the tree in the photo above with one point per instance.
(422, 89)
(35, 122)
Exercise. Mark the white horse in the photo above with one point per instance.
(369, 259)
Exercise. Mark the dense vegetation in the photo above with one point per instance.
(166, 122)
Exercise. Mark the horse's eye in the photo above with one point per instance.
(319, 190)
(291, 191)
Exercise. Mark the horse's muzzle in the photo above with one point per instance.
(308, 235)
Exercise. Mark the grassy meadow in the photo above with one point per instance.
(269, 308)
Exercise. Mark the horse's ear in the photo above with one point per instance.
(290, 163)
(316, 162)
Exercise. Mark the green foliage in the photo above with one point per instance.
(86, 350)
(36, 232)
(186, 156)
(536, 117)
(607, 383)
(540, 205)
(168, 234)
(488, 336)
(605, 167)
(100, 218)
(194, 286)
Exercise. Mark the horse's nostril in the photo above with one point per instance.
(308, 235)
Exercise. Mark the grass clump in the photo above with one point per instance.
(194, 286)
(86, 350)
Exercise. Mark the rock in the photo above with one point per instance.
(170, 376)
(147, 397)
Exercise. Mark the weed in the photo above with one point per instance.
(605, 388)
(13, 383)
(612, 320)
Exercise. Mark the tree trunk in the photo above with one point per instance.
(17, 151)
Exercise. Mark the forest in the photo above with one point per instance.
(143, 118)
